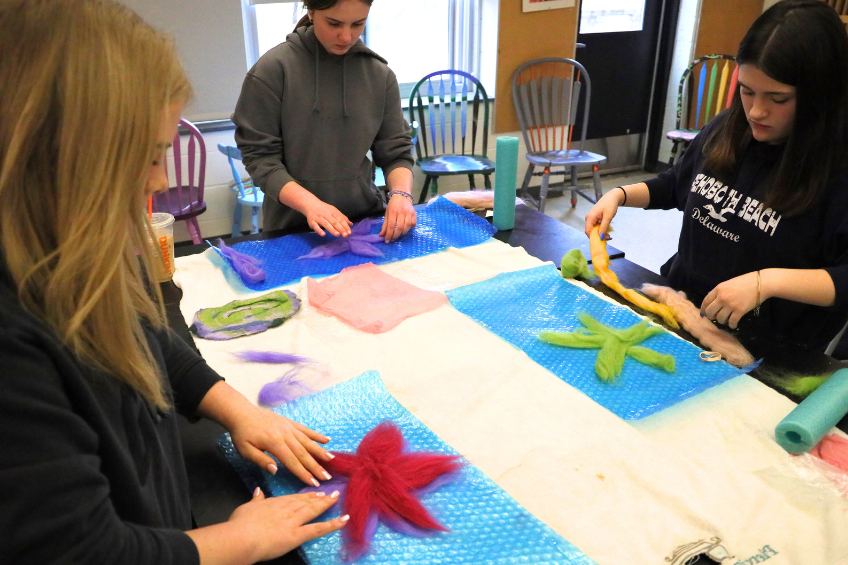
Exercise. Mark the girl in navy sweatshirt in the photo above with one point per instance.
(764, 187)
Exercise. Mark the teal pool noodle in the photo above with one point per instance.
(506, 167)
(807, 424)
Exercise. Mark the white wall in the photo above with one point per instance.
(209, 37)
(684, 49)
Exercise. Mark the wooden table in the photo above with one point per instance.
(216, 489)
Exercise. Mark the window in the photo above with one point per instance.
(607, 16)
(416, 37)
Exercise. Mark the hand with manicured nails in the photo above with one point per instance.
(282, 523)
(293, 444)
(264, 529)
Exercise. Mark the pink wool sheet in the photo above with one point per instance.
(834, 450)
(369, 299)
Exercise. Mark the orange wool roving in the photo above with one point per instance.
(600, 262)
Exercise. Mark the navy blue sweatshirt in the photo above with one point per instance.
(727, 232)
(90, 472)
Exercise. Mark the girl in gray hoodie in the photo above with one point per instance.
(309, 111)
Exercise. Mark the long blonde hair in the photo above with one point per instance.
(86, 83)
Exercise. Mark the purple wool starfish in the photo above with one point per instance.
(359, 242)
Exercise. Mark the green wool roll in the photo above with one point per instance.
(574, 265)
(614, 345)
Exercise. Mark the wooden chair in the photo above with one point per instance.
(184, 201)
(546, 94)
(449, 94)
(246, 193)
(716, 77)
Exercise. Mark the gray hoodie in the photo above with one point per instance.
(308, 116)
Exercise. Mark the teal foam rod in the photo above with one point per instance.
(804, 427)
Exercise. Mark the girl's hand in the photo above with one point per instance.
(265, 529)
(282, 523)
(400, 218)
(258, 430)
(732, 299)
(604, 211)
(321, 216)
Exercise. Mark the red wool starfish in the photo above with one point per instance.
(383, 483)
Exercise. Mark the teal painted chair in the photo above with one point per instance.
(246, 193)
(707, 86)
(442, 143)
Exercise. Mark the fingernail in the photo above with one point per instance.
(702, 314)
(603, 235)
(335, 494)
(327, 476)
(320, 493)
(345, 518)
(256, 492)
(316, 483)
(272, 468)
(330, 455)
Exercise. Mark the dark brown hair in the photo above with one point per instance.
(319, 5)
(800, 43)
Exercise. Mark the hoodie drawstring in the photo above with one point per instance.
(316, 106)
(344, 87)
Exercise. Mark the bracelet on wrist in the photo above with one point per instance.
(625, 195)
(402, 193)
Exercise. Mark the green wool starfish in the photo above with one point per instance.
(574, 265)
(614, 345)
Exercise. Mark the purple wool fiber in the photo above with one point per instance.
(271, 357)
(401, 526)
(230, 332)
(285, 389)
(363, 227)
(363, 248)
(359, 242)
(247, 267)
(335, 247)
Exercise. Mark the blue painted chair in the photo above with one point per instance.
(450, 93)
(546, 94)
(246, 193)
(692, 113)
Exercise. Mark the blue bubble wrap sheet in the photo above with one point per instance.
(519, 306)
(441, 224)
(486, 525)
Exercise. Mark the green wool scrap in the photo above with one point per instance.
(246, 317)
(574, 265)
(614, 345)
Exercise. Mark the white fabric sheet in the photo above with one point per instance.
(706, 468)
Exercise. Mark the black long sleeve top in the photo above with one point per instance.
(90, 472)
(727, 232)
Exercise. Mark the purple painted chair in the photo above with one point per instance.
(185, 200)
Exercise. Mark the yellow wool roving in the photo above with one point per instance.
(600, 261)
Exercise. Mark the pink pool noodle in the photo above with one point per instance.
(689, 317)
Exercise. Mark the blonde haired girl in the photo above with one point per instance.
(91, 376)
